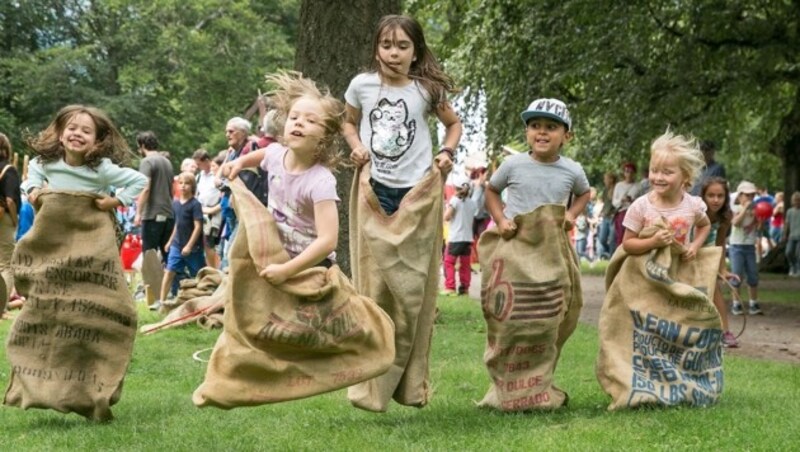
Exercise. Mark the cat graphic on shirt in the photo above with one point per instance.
(392, 132)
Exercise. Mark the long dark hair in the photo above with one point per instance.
(109, 143)
(725, 213)
(424, 68)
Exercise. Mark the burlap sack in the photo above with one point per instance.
(71, 344)
(201, 298)
(309, 335)
(531, 298)
(660, 334)
(396, 261)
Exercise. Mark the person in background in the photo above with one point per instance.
(716, 195)
(606, 242)
(764, 243)
(625, 192)
(791, 235)
(745, 232)
(10, 204)
(185, 249)
(460, 213)
(154, 209)
(713, 168)
(209, 197)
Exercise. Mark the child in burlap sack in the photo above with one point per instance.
(531, 304)
(81, 151)
(84, 346)
(294, 326)
(660, 335)
(387, 129)
(304, 199)
(674, 162)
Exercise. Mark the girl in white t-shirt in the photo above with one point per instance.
(674, 162)
(387, 110)
(302, 188)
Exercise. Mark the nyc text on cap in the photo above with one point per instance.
(548, 108)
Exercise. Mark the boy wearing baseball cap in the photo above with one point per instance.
(542, 175)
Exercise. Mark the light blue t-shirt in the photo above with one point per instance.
(126, 183)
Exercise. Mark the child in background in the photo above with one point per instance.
(791, 235)
(185, 244)
(79, 151)
(542, 175)
(302, 188)
(582, 236)
(776, 222)
(716, 195)
(745, 232)
(460, 213)
(675, 161)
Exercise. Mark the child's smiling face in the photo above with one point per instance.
(78, 138)
(545, 137)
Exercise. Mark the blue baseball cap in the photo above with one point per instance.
(548, 108)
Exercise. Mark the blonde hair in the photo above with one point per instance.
(292, 86)
(795, 198)
(191, 179)
(685, 151)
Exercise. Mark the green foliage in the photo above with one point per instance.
(629, 70)
(181, 69)
(757, 411)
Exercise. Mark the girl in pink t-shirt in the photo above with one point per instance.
(674, 162)
(302, 189)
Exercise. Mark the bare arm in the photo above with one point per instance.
(634, 245)
(359, 153)
(233, 168)
(578, 206)
(12, 210)
(452, 125)
(702, 228)
(494, 204)
(449, 212)
(198, 229)
(141, 203)
(326, 221)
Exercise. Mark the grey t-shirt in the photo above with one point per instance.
(394, 129)
(531, 183)
(159, 171)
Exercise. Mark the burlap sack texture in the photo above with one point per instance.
(200, 300)
(310, 335)
(660, 334)
(531, 300)
(395, 261)
(71, 344)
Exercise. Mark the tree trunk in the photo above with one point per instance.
(791, 168)
(334, 44)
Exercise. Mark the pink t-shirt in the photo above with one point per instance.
(681, 218)
(292, 198)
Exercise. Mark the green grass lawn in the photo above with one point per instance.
(758, 411)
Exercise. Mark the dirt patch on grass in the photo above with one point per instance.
(774, 335)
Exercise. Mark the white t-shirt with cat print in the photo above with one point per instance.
(394, 128)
